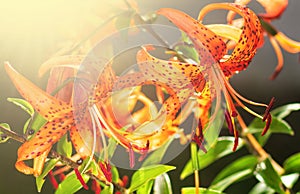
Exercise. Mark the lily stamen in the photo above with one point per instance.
(269, 107)
(267, 126)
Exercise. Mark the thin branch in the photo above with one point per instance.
(65, 160)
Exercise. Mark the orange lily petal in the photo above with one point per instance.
(250, 38)
(205, 41)
(58, 113)
(274, 8)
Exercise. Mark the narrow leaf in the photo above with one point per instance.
(192, 190)
(23, 104)
(222, 148)
(277, 126)
(70, 184)
(39, 181)
(267, 174)
(37, 122)
(64, 146)
(145, 174)
(283, 111)
(115, 174)
(162, 184)
(224, 183)
(244, 163)
(146, 188)
(3, 136)
(292, 164)
(108, 189)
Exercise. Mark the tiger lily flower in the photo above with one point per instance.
(206, 39)
(59, 116)
(60, 120)
(274, 9)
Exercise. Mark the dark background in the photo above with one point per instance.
(30, 34)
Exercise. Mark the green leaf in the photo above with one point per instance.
(224, 183)
(64, 146)
(115, 174)
(284, 111)
(3, 136)
(145, 174)
(222, 148)
(290, 180)
(244, 163)
(262, 139)
(37, 122)
(277, 126)
(108, 190)
(146, 188)
(192, 190)
(39, 181)
(23, 104)
(71, 184)
(26, 125)
(267, 174)
(162, 184)
(292, 164)
(261, 188)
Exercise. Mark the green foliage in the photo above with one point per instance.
(26, 106)
(241, 166)
(222, 148)
(3, 136)
(292, 164)
(266, 173)
(145, 174)
(40, 180)
(192, 190)
(64, 146)
(71, 184)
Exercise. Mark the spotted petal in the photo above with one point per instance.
(58, 114)
(249, 40)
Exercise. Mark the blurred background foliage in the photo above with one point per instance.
(32, 30)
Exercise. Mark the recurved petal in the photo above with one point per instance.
(249, 40)
(45, 104)
(231, 14)
(209, 46)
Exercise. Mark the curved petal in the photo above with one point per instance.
(227, 31)
(250, 38)
(287, 44)
(58, 113)
(209, 46)
(45, 104)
